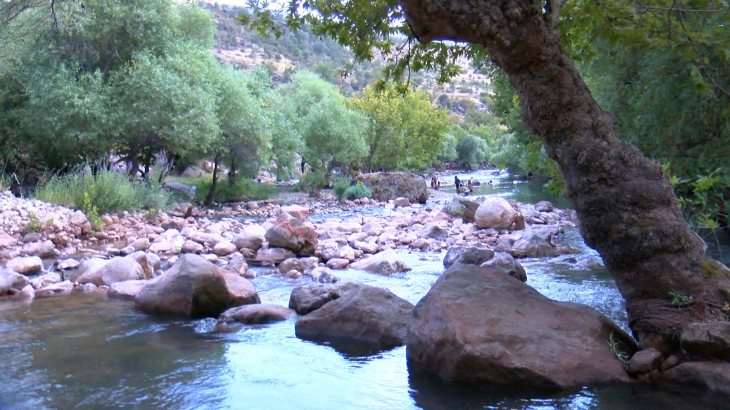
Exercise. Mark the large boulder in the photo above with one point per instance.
(361, 313)
(291, 233)
(195, 288)
(114, 270)
(385, 263)
(390, 185)
(480, 325)
(251, 237)
(495, 212)
(462, 207)
(469, 255)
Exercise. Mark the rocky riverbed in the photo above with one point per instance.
(195, 263)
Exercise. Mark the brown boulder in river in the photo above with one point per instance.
(196, 288)
(482, 326)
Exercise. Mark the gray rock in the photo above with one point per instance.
(710, 340)
(434, 231)
(126, 290)
(469, 255)
(534, 243)
(361, 313)
(322, 275)
(251, 237)
(463, 208)
(544, 206)
(191, 247)
(384, 263)
(711, 376)
(291, 264)
(48, 279)
(58, 289)
(272, 256)
(645, 361)
(11, 280)
(504, 262)
(224, 248)
(253, 315)
(26, 265)
(306, 299)
(338, 263)
(117, 269)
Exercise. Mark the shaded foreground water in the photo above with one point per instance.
(88, 352)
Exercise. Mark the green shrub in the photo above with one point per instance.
(243, 189)
(104, 192)
(341, 186)
(357, 191)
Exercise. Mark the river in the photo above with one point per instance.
(87, 352)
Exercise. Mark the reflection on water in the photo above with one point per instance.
(87, 352)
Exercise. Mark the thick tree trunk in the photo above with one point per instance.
(626, 205)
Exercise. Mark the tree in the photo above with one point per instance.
(243, 141)
(331, 131)
(405, 130)
(626, 205)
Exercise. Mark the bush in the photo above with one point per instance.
(104, 192)
(243, 189)
(357, 191)
(341, 186)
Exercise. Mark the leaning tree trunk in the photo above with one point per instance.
(625, 203)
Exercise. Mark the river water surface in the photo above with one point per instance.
(87, 352)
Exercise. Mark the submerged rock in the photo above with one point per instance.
(253, 315)
(196, 288)
(360, 313)
(480, 325)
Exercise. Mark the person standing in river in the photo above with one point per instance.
(457, 182)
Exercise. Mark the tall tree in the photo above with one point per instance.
(626, 205)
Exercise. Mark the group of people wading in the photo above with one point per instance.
(461, 188)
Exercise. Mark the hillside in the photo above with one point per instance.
(245, 49)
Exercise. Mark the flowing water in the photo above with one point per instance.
(87, 352)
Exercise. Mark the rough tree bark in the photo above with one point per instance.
(625, 203)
